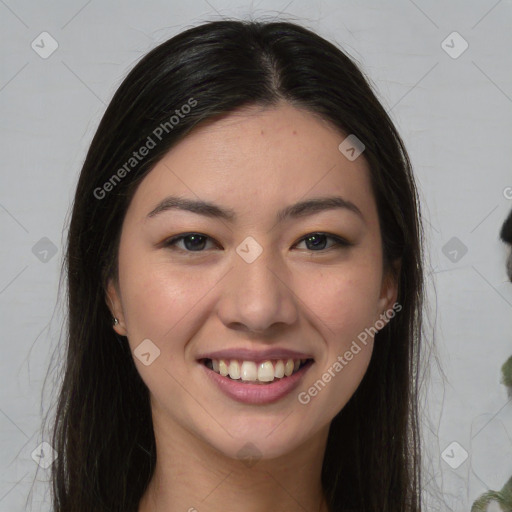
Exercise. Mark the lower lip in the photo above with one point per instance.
(257, 393)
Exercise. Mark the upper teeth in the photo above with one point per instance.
(266, 371)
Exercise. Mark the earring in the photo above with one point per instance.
(116, 321)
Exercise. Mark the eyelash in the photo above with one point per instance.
(340, 243)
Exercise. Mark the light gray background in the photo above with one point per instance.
(455, 115)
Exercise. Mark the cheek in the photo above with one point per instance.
(158, 299)
(344, 302)
(165, 306)
(343, 299)
(343, 306)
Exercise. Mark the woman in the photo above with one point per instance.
(245, 287)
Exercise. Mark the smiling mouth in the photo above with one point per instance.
(250, 372)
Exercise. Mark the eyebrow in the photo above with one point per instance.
(297, 210)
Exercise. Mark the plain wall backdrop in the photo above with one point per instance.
(443, 70)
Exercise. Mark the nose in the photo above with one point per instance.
(257, 296)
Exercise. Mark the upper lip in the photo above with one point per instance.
(255, 355)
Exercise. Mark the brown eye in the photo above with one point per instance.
(317, 241)
(192, 242)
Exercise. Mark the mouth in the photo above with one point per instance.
(256, 372)
(256, 382)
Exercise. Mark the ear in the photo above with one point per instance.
(113, 300)
(389, 290)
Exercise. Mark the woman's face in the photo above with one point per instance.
(253, 280)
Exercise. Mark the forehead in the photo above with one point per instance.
(258, 159)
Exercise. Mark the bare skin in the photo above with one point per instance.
(294, 295)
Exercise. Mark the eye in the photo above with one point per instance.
(193, 242)
(317, 241)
